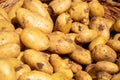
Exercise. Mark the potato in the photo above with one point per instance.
(21, 69)
(116, 26)
(60, 6)
(7, 72)
(12, 11)
(35, 39)
(103, 52)
(58, 76)
(6, 26)
(79, 12)
(116, 76)
(36, 60)
(77, 27)
(35, 75)
(82, 75)
(96, 41)
(62, 44)
(86, 36)
(9, 50)
(9, 37)
(63, 23)
(61, 65)
(4, 15)
(29, 19)
(103, 76)
(81, 55)
(107, 66)
(96, 9)
(38, 7)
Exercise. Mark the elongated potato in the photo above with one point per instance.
(35, 39)
(60, 6)
(103, 52)
(61, 65)
(81, 55)
(29, 19)
(35, 75)
(63, 23)
(36, 60)
(7, 72)
(62, 44)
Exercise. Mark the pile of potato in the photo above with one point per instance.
(58, 40)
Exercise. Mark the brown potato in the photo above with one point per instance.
(7, 72)
(81, 55)
(63, 23)
(36, 60)
(29, 19)
(107, 66)
(82, 75)
(61, 65)
(60, 6)
(62, 44)
(79, 12)
(35, 75)
(96, 9)
(103, 52)
(35, 39)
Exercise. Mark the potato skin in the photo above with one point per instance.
(35, 39)
(7, 72)
(103, 52)
(29, 19)
(35, 75)
(116, 76)
(36, 60)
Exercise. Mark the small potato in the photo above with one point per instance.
(36, 60)
(9, 50)
(63, 23)
(61, 65)
(107, 66)
(7, 72)
(79, 12)
(103, 52)
(82, 75)
(9, 37)
(81, 55)
(60, 6)
(6, 26)
(86, 36)
(21, 69)
(35, 39)
(35, 75)
(29, 19)
(116, 26)
(116, 77)
(62, 44)
(96, 41)
(4, 15)
(96, 9)
(77, 27)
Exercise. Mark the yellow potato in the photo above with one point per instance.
(116, 26)
(58, 76)
(35, 39)
(63, 23)
(82, 75)
(81, 56)
(29, 19)
(96, 9)
(103, 52)
(60, 44)
(61, 65)
(7, 72)
(35, 75)
(60, 6)
(116, 76)
(9, 37)
(36, 60)
(9, 50)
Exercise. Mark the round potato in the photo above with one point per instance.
(35, 39)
